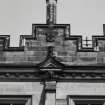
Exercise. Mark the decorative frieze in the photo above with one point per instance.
(50, 75)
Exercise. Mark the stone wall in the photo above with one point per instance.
(33, 89)
(66, 49)
(79, 88)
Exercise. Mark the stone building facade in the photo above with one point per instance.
(52, 67)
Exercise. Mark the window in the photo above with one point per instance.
(86, 100)
(15, 100)
(89, 102)
(87, 43)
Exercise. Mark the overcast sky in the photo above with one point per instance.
(85, 16)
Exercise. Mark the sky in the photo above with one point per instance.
(85, 16)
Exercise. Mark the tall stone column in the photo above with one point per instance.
(51, 11)
(50, 93)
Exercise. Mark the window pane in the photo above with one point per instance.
(96, 104)
(10, 104)
(82, 104)
(88, 104)
(18, 104)
(4, 104)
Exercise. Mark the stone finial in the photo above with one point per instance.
(51, 1)
(51, 11)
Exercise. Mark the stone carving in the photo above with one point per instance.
(51, 75)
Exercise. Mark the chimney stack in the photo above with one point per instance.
(51, 12)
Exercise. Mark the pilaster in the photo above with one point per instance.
(50, 93)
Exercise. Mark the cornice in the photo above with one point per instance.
(15, 74)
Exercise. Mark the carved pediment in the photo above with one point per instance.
(50, 63)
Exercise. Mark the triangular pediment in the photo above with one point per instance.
(50, 63)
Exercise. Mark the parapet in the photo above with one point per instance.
(67, 49)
